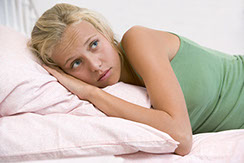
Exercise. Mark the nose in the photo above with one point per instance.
(95, 64)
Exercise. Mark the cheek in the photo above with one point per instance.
(110, 53)
(82, 75)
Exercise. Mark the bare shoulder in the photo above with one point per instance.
(167, 43)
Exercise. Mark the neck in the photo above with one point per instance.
(127, 76)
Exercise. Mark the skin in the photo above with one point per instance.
(169, 113)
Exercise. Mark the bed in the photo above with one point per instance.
(41, 121)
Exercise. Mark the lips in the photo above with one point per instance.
(104, 74)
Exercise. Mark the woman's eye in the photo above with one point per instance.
(76, 63)
(94, 44)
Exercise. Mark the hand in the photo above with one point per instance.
(74, 85)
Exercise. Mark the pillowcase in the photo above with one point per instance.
(27, 87)
(40, 119)
(32, 136)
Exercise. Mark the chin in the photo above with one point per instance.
(108, 83)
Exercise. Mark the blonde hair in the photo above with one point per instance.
(50, 27)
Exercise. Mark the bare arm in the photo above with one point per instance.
(150, 52)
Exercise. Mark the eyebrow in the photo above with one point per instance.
(83, 45)
(68, 60)
(89, 39)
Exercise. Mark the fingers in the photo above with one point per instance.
(55, 71)
(47, 68)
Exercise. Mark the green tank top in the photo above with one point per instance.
(212, 84)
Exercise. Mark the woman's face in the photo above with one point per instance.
(86, 54)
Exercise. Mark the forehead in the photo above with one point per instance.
(81, 30)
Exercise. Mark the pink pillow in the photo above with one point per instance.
(32, 107)
(27, 87)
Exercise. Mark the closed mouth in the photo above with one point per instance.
(104, 74)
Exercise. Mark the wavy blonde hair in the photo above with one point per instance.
(50, 27)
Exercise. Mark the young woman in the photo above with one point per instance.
(191, 88)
